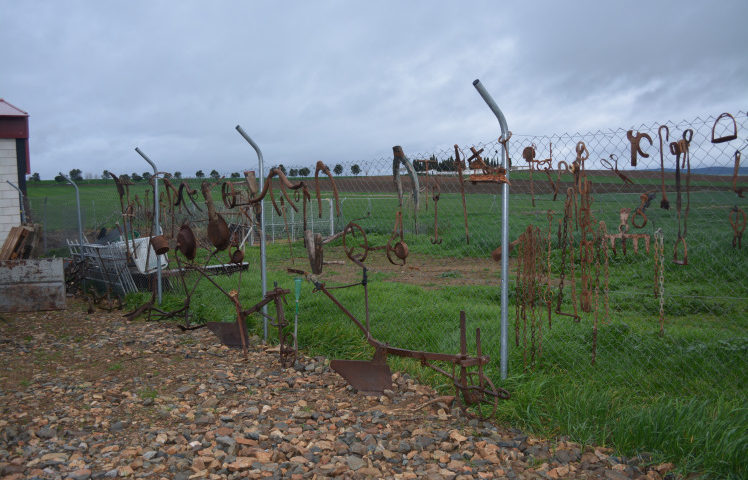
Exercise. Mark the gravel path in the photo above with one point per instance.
(93, 396)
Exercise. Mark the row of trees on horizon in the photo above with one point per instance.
(77, 175)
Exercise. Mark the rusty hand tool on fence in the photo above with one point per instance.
(123, 190)
(529, 273)
(730, 136)
(566, 240)
(435, 197)
(460, 168)
(664, 203)
(321, 167)
(612, 165)
(680, 150)
(184, 187)
(375, 376)
(735, 171)
(528, 153)
(623, 234)
(399, 247)
(489, 174)
(737, 222)
(496, 253)
(645, 199)
(601, 264)
(398, 159)
(636, 145)
(218, 229)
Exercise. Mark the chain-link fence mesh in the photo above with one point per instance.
(450, 266)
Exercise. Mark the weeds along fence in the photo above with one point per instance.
(653, 341)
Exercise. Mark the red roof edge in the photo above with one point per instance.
(23, 114)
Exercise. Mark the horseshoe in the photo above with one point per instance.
(636, 145)
(725, 138)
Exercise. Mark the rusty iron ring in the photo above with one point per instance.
(640, 212)
(400, 248)
(350, 250)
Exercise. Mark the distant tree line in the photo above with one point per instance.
(77, 175)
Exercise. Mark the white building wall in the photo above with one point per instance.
(10, 208)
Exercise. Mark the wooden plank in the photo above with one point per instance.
(39, 270)
(18, 248)
(32, 297)
(10, 243)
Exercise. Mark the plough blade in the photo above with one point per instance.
(365, 376)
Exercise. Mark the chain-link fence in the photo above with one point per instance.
(622, 313)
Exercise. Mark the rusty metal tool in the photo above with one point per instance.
(460, 168)
(729, 136)
(375, 376)
(398, 159)
(636, 145)
(645, 199)
(737, 222)
(566, 241)
(735, 171)
(435, 197)
(612, 165)
(664, 203)
(184, 187)
(488, 174)
(321, 167)
(218, 229)
(680, 150)
(399, 247)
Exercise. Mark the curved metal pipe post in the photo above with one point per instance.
(156, 225)
(504, 229)
(263, 258)
(20, 199)
(78, 205)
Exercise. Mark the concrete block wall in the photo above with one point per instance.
(10, 208)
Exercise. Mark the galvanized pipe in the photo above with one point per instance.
(78, 205)
(263, 258)
(504, 229)
(20, 199)
(156, 226)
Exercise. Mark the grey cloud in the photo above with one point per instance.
(347, 80)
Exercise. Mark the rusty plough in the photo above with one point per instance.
(375, 376)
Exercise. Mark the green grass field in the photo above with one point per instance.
(679, 397)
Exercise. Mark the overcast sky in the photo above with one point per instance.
(343, 82)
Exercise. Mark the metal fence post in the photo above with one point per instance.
(263, 257)
(78, 206)
(20, 199)
(332, 222)
(504, 229)
(156, 226)
(44, 224)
